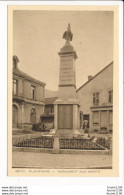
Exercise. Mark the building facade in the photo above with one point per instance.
(96, 101)
(28, 98)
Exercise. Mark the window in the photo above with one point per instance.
(104, 119)
(96, 118)
(51, 109)
(110, 96)
(46, 109)
(14, 87)
(96, 97)
(33, 116)
(32, 92)
(110, 117)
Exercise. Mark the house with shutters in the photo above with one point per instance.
(28, 98)
(96, 101)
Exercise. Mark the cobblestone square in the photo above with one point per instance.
(60, 161)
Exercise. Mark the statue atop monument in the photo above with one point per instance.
(68, 34)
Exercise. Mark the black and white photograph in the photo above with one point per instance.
(62, 67)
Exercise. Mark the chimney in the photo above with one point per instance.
(89, 77)
(15, 62)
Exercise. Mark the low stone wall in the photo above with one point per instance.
(62, 151)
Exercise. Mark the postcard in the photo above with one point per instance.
(63, 90)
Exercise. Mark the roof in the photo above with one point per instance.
(94, 76)
(50, 100)
(26, 76)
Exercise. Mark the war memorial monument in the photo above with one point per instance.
(66, 107)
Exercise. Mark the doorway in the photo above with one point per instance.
(86, 118)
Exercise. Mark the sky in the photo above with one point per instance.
(37, 39)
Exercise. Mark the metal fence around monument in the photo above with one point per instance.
(83, 144)
(33, 142)
(47, 142)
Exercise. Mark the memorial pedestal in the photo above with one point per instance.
(66, 117)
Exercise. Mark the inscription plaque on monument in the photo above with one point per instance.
(67, 73)
(65, 117)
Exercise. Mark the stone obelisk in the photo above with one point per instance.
(66, 107)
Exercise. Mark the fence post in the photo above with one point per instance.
(56, 145)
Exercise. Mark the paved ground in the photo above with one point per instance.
(37, 134)
(25, 132)
(47, 161)
(100, 135)
(32, 134)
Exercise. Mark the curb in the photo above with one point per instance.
(62, 151)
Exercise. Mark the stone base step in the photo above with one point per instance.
(68, 133)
